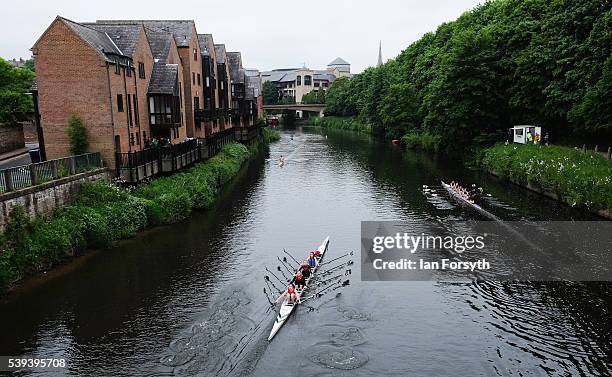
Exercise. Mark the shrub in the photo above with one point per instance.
(105, 212)
(270, 135)
(580, 179)
(77, 133)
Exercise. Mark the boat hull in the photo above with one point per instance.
(287, 307)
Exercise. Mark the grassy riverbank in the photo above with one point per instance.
(577, 178)
(106, 212)
(341, 123)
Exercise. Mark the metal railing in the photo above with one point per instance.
(21, 177)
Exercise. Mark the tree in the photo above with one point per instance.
(269, 92)
(15, 83)
(77, 133)
(29, 64)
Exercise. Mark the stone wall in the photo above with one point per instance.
(11, 138)
(41, 200)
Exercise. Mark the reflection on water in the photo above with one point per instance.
(187, 299)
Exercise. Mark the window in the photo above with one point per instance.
(136, 115)
(198, 79)
(307, 80)
(120, 103)
(195, 54)
(141, 70)
(299, 80)
(137, 138)
(207, 82)
(196, 103)
(128, 70)
(129, 108)
(164, 110)
(316, 84)
(181, 95)
(325, 85)
(117, 67)
(144, 136)
(193, 77)
(132, 138)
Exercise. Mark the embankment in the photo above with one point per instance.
(105, 212)
(565, 174)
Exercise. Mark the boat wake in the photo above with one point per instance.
(228, 341)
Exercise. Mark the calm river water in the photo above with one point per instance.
(188, 299)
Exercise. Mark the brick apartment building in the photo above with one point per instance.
(223, 82)
(130, 81)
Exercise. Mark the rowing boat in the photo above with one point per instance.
(287, 307)
(462, 201)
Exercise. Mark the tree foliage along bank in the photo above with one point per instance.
(503, 63)
(105, 212)
(15, 84)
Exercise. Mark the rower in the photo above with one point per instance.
(312, 262)
(299, 280)
(317, 254)
(305, 270)
(290, 294)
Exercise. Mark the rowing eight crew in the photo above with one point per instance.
(465, 194)
(299, 279)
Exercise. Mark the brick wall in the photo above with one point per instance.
(174, 58)
(72, 79)
(11, 138)
(41, 200)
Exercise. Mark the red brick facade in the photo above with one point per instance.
(82, 71)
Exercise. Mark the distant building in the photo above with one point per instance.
(293, 83)
(380, 61)
(18, 63)
(341, 66)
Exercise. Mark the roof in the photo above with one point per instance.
(125, 37)
(164, 78)
(160, 43)
(99, 40)
(181, 29)
(339, 61)
(220, 52)
(207, 45)
(235, 65)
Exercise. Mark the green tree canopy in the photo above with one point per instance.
(505, 62)
(269, 92)
(15, 83)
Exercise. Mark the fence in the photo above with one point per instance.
(134, 167)
(20, 177)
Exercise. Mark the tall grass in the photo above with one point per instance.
(580, 179)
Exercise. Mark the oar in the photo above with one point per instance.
(295, 260)
(277, 278)
(327, 272)
(281, 271)
(266, 294)
(321, 292)
(335, 259)
(324, 282)
(288, 269)
(270, 281)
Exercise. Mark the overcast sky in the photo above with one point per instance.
(269, 33)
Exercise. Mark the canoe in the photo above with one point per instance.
(459, 199)
(288, 307)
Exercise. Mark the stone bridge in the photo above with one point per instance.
(316, 107)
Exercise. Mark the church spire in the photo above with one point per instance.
(380, 62)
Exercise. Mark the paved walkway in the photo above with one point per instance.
(17, 157)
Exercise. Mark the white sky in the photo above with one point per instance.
(269, 33)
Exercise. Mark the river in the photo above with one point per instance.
(188, 299)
